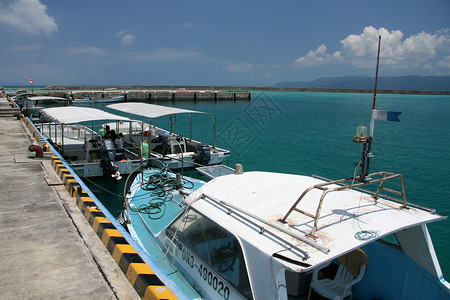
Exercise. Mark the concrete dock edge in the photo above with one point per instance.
(145, 282)
(57, 242)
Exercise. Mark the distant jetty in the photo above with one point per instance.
(150, 93)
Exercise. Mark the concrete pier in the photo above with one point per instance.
(145, 95)
(48, 249)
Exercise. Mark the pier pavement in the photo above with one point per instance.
(48, 250)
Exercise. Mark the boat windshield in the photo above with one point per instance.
(215, 246)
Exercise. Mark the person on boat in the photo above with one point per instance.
(102, 131)
(107, 132)
(112, 134)
(118, 142)
(145, 149)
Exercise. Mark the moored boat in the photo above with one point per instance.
(248, 236)
(88, 100)
(32, 105)
(166, 148)
(87, 152)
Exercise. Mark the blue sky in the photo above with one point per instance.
(256, 43)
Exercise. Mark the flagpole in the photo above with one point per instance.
(372, 121)
(367, 148)
(31, 81)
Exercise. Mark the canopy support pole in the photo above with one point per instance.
(190, 126)
(214, 130)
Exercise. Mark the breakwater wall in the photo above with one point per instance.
(156, 95)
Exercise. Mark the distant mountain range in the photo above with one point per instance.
(411, 83)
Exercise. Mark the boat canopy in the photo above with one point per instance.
(47, 98)
(72, 115)
(250, 206)
(150, 110)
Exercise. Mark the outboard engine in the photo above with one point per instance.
(202, 154)
(107, 155)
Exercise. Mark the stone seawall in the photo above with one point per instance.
(157, 95)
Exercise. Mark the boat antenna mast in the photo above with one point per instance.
(361, 136)
(31, 81)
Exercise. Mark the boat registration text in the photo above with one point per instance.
(204, 275)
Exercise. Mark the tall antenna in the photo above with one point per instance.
(367, 143)
(372, 122)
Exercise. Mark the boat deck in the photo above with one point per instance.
(154, 216)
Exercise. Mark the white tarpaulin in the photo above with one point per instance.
(47, 98)
(150, 110)
(73, 114)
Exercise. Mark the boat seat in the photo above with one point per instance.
(176, 146)
(351, 270)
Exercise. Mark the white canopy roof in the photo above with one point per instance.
(150, 110)
(43, 98)
(270, 195)
(74, 114)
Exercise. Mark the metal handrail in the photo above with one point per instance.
(383, 177)
(271, 224)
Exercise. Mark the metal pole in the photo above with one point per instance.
(367, 155)
(214, 131)
(376, 74)
(62, 137)
(190, 126)
(372, 122)
(363, 163)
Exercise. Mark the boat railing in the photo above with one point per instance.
(245, 214)
(74, 132)
(57, 131)
(346, 184)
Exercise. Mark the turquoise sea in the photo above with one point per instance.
(311, 133)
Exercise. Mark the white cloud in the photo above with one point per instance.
(419, 50)
(128, 39)
(268, 75)
(244, 67)
(166, 54)
(85, 50)
(26, 48)
(125, 37)
(186, 25)
(317, 57)
(445, 62)
(121, 33)
(241, 67)
(28, 16)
